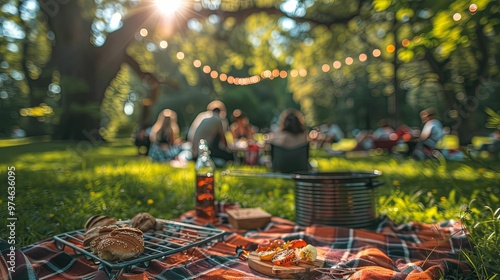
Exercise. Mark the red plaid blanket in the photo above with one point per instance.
(389, 251)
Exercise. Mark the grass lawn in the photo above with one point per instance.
(59, 185)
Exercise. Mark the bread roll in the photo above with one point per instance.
(121, 244)
(144, 222)
(96, 232)
(102, 234)
(99, 221)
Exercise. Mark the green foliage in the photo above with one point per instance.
(493, 119)
(483, 224)
(112, 106)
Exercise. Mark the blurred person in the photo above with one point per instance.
(17, 132)
(384, 137)
(292, 130)
(384, 131)
(494, 145)
(241, 129)
(404, 132)
(290, 143)
(164, 137)
(431, 133)
(212, 126)
(328, 134)
(206, 114)
(242, 138)
(331, 132)
(364, 139)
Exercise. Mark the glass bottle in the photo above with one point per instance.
(205, 183)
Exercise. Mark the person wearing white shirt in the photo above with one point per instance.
(432, 132)
(17, 132)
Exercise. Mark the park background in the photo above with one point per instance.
(80, 76)
(80, 69)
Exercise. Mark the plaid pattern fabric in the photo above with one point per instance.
(14, 264)
(389, 251)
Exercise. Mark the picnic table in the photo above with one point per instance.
(387, 251)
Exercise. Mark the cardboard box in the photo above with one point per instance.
(248, 218)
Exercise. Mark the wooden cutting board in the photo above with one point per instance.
(282, 272)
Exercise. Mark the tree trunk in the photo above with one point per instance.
(86, 70)
(38, 90)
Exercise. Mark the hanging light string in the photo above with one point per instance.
(276, 73)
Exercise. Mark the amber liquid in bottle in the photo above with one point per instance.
(205, 197)
(205, 184)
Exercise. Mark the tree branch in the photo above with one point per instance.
(437, 67)
(150, 78)
(482, 45)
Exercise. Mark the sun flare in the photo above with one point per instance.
(168, 7)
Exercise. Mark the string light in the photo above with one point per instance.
(180, 55)
(390, 48)
(214, 74)
(473, 8)
(163, 44)
(269, 74)
(277, 73)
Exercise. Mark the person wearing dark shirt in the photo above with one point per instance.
(211, 126)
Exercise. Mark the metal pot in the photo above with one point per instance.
(345, 199)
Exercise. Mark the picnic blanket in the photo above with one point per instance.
(388, 251)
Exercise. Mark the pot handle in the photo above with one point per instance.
(243, 173)
(377, 183)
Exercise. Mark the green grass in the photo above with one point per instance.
(59, 185)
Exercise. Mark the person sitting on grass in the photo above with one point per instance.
(493, 147)
(241, 129)
(292, 131)
(432, 132)
(292, 139)
(164, 137)
(211, 126)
